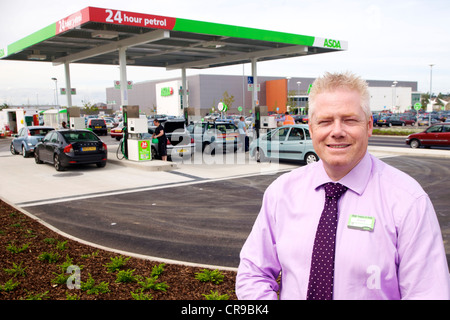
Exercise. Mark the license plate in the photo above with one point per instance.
(182, 150)
(98, 127)
(229, 138)
(88, 149)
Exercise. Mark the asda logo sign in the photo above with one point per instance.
(167, 91)
(330, 43)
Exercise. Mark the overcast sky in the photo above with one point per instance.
(388, 40)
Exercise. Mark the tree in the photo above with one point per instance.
(227, 99)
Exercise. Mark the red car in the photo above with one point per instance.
(436, 135)
(117, 132)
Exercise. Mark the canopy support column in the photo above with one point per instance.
(255, 83)
(68, 85)
(184, 87)
(123, 76)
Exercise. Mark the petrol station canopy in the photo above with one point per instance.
(94, 35)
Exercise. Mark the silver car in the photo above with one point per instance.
(290, 142)
(25, 141)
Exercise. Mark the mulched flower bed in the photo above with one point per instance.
(28, 246)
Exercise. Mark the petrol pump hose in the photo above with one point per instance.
(121, 147)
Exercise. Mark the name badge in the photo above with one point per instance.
(361, 222)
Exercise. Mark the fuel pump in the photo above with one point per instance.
(134, 147)
(75, 119)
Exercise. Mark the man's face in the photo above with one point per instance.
(340, 130)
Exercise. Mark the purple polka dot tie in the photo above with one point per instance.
(320, 286)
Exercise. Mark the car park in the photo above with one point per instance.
(98, 126)
(435, 135)
(64, 148)
(289, 142)
(215, 135)
(25, 141)
(180, 144)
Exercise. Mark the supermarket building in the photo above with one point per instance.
(205, 91)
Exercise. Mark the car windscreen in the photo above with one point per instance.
(97, 122)
(74, 136)
(40, 132)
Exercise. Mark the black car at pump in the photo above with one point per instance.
(64, 148)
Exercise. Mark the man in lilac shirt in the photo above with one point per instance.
(388, 240)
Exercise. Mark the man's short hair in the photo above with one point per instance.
(332, 81)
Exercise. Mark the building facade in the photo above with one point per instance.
(206, 91)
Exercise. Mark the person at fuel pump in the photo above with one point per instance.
(242, 133)
(162, 139)
(349, 226)
(286, 119)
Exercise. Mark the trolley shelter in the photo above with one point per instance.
(115, 37)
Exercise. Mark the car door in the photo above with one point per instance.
(49, 146)
(275, 146)
(433, 136)
(17, 142)
(42, 151)
(446, 134)
(294, 145)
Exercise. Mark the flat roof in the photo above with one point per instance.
(94, 35)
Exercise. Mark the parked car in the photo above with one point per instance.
(383, 121)
(64, 148)
(180, 144)
(409, 119)
(215, 135)
(98, 126)
(436, 135)
(25, 141)
(291, 142)
(425, 121)
(390, 121)
(117, 132)
(212, 136)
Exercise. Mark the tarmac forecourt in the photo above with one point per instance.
(120, 172)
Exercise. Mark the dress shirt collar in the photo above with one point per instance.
(356, 179)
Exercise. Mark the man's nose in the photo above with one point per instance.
(338, 129)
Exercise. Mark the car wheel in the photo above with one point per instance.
(101, 164)
(209, 149)
(57, 163)
(36, 157)
(12, 149)
(24, 152)
(260, 156)
(414, 144)
(311, 158)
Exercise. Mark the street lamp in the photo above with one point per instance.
(394, 100)
(431, 104)
(288, 102)
(298, 104)
(56, 100)
(56, 90)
